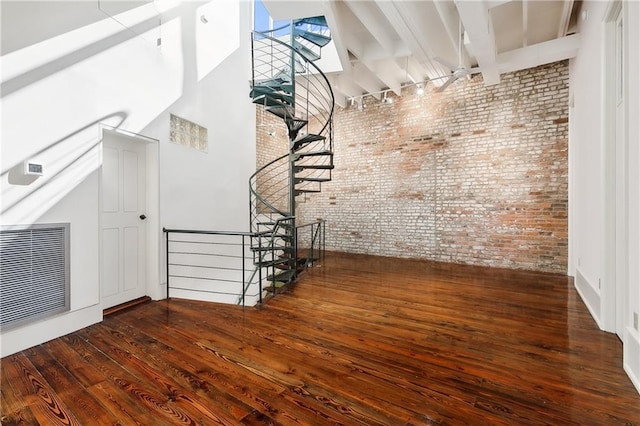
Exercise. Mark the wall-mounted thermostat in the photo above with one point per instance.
(32, 168)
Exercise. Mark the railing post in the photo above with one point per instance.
(324, 241)
(311, 242)
(167, 259)
(243, 274)
(260, 267)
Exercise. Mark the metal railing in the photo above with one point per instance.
(272, 186)
(224, 266)
(311, 242)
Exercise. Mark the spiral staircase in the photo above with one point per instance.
(287, 83)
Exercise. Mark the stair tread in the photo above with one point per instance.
(274, 262)
(285, 275)
(273, 224)
(312, 179)
(257, 92)
(318, 39)
(306, 139)
(305, 51)
(273, 99)
(264, 89)
(281, 111)
(263, 248)
(312, 20)
(313, 154)
(315, 166)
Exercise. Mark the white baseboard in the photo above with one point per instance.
(30, 335)
(631, 357)
(590, 296)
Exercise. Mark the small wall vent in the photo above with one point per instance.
(34, 272)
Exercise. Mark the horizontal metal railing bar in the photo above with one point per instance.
(204, 291)
(210, 254)
(210, 267)
(310, 224)
(210, 243)
(228, 233)
(205, 279)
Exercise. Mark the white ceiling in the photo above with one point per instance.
(387, 44)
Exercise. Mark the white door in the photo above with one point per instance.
(122, 219)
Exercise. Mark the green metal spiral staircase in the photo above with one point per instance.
(286, 82)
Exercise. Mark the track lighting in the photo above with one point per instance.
(358, 101)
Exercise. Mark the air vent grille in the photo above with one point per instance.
(34, 273)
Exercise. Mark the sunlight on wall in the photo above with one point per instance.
(210, 52)
(130, 17)
(52, 114)
(52, 49)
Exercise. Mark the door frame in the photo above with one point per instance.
(154, 289)
(616, 222)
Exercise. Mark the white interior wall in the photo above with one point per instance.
(632, 333)
(589, 236)
(67, 69)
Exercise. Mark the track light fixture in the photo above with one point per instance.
(358, 101)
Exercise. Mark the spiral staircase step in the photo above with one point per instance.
(318, 39)
(306, 139)
(273, 99)
(305, 51)
(313, 154)
(313, 20)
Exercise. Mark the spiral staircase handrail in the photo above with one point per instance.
(288, 84)
(310, 62)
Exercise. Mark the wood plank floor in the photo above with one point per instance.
(361, 340)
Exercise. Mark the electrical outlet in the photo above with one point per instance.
(635, 320)
(599, 283)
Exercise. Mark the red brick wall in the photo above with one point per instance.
(472, 175)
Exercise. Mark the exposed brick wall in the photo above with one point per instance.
(472, 175)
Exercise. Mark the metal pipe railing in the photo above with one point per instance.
(212, 257)
(316, 241)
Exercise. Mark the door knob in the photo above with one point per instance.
(143, 217)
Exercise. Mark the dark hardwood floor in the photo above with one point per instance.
(362, 340)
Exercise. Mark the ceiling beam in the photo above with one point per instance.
(339, 31)
(567, 8)
(388, 72)
(539, 54)
(495, 3)
(343, 88)
(413, 71)
(451, 22)
(373, 51)
(367, 80)
(477, 23)
(345, 85)
(373, 22)
(410, 30)
(525, 23)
